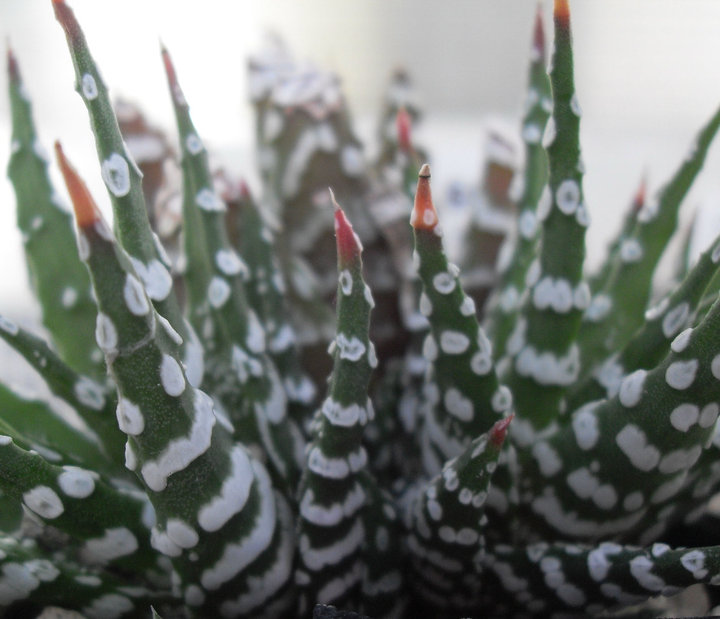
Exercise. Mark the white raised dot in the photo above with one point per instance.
(633, 443)
(172, 334)
(130, 419)
(509, 299)
(501, 399)
(675, 319)
(155, 277)
(544, 204)
(350, 348)
(640, 568)
(218, 292)
(605, 497)
(575, 105)
(230, 263)
(481, 363)
(134, 295)
(171, 376)
(367, 293)
(208, 200)
(708, 415)
(582, 296)
(633, 501)
(582, 214)
(548, 459)
(255, 338)
(44, 502)
(181, 533)
(444, 283)
(89, 393)
(5, 440)
(130, 456)
(467, 307)
(89, 87)
(631, 388)
(430, 349)
(346, 282)
(425, 305)
(76, 482)
(454, 342)
(531, 133)
(631, 250)
(682, 340)
(161, 542)
(694, 562)
(458, 405)
(193, 144)
(105, 333)
(116, 174)
(194, 596)
(599, 308)
(681, 374)
(567, 196)
(114, 543)
(679, 460)
(527, 224)
(715, 366)
(69, 297)
(684, 416)
(666, 491)
(585, 427)
(8, 326)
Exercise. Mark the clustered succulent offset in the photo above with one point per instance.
(535, 464)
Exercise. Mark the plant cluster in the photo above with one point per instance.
(544, 454)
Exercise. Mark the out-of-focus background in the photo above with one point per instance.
(647, 76)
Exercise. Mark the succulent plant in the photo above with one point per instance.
(553, 452)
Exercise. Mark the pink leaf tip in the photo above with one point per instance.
(12, 66)
(424, 216)
(64, 14)
(539, 34)
(499, 431)
(175, 90)
(640, 195)
(403, 124)
(349, 246)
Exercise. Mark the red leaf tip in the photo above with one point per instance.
(640, 194)
(539, 34)
(348, 243)
(403, 124)
(86, 211)
(64, 14)
(499, 430)
(12, 66)
(424, 216)
(175, 90)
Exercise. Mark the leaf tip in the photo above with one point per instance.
(403, 124)
(86, 211)
(348, 243)
(561, 13)
(424, 216)
(12, 65)
(173, 83)
(64, 14)
(539, 34)
(499, 430)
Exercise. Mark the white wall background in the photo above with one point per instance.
(648, 76)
